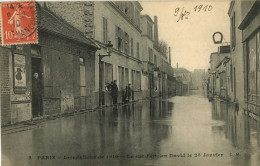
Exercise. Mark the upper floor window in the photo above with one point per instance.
(233, 31)
(105, 30)
(150, 51)
(126, 44)
(132, 47)
(137, 17)
(149, 30)
(155, 60)
(119, 38)
(137, 50)
(131, 11)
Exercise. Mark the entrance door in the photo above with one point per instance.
(37, 87)
(82, 84)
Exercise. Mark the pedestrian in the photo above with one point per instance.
(114, 92)
(37, 91)
(127, 93)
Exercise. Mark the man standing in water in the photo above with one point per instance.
(114, 92)
(37, 90)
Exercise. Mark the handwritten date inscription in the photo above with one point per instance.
(182, 13)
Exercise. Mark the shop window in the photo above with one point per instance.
(252, 65)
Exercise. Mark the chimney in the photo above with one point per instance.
(156, 38)
(170, 59)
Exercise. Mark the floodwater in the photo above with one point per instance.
(180, 131)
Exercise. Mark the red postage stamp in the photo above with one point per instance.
(19, 24)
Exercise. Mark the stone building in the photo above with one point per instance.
(63, 58)
(245, 24)
(219, 73)
(133, 59)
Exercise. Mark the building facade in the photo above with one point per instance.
(134, 58)
(72, 35)
(245, 25)
(56, 59)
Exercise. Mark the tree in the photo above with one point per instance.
(163, 48)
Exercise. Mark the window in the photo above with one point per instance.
(108, 73)
(126, 77)
(137, 17)
(155, 60)
(136, 80)
(132, 47)
(149, 30)
(120, 78)
(118, 38)
(126, 50)
(233, 31)
(127, 12)
(105, 30)
(150, 51)
(137, 50)
(131, 11)
(252, 65)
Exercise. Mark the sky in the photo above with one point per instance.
(190, 39)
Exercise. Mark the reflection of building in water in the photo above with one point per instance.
(237, 127)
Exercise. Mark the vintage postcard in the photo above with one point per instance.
(130, 83)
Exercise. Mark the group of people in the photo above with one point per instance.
(113, 88)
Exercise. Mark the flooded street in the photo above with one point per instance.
(183, 130)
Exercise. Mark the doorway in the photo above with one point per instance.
(37, 87)
(83, 88)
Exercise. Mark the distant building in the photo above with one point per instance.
(197, 78)
(218, 75)
(184, 76)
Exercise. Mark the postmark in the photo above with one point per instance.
(19, 24)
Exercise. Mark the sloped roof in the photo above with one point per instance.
(181, 70)
(48, 21)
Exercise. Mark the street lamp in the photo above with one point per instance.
(109, 47)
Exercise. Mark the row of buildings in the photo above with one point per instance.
(71, 37)
(234, 71)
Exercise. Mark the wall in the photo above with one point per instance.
(61, 74)
(5, 53)
(237, 58)
(104, 9)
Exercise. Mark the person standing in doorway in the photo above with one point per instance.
(37, 90)
(114, 92)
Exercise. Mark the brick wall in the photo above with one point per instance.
(82, 19)
(5, 86)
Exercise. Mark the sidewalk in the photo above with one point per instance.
(39, 122)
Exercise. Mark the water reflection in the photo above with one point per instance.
(188, 124)
(241, 130)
